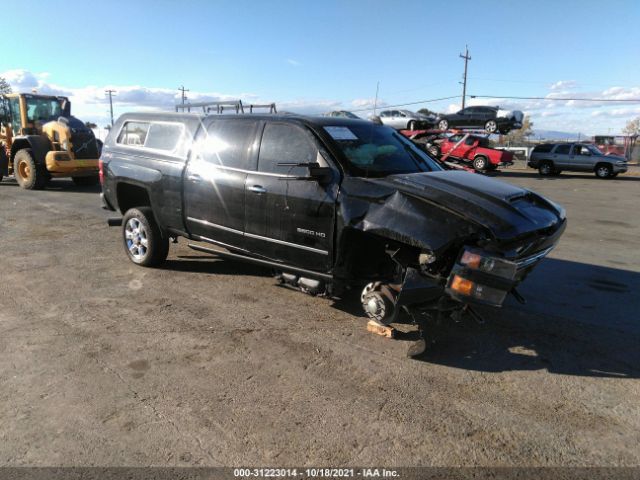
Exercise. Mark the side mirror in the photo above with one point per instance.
(316, 172)
(320, 174)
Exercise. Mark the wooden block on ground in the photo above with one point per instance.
(381, 330)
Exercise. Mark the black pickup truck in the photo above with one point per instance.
(328, 204)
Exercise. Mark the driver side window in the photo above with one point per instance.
(283, 143)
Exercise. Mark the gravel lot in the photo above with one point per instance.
(209, 362)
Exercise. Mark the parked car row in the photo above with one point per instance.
(490, 119)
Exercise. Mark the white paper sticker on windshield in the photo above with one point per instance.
(341, 133)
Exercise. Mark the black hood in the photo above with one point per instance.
(506, 211)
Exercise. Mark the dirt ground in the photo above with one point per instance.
(209, 362)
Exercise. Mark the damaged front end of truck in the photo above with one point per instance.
(438, 243)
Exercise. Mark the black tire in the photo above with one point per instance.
(31, 175)
(411, 125)
(545, 169)
(480, 163)
(1, 177)
(491, 126)
(603, 170)
(86, 181)
(613, 175)
(504, 130)
(556, 172)
(443, 124)
(139, 227)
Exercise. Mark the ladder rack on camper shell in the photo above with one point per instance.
(219, 107)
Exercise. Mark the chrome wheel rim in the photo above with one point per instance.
(480, 164)
(545, 169)
(603, 172)
(136, 237)
(443, 125)
(491, 126)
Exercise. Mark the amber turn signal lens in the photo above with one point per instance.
(462, 285)
(472, 260)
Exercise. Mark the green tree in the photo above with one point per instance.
(90, 125)
(633, 127)
(520, 136)
(4, 86)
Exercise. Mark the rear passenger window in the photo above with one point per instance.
(543, 148)
(563, 149)
(133, 133)
(282, 143)
(228, 143)
(164, 136)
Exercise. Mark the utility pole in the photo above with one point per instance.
(375, 102)
(110, 93)
(466, 57)
(183, 90)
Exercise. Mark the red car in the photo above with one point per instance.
(475, 150)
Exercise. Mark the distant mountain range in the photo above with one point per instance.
(558, 135)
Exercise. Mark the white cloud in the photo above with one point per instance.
(563, 85)
(293, 62)
(90, 103)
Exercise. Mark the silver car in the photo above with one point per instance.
(553, 158)
(406, 120)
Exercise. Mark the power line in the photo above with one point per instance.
(410, 103)
(563, 99)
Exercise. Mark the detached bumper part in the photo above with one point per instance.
(478, 277)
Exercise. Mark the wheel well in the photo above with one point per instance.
(482, 156)
(606, 164)
(18, 145)
(130, 196)
(550, 162)
(364, 257)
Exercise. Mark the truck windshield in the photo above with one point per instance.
(377, 151)
(43, 109)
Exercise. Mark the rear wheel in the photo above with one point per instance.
(491, 126)
(505, 130)
(86, 181)
(545, 169)
(30, 174)
(480, 163)
(443, 125)
(142, 238)
(603, 170)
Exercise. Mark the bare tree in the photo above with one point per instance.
(4, 86)
(520, 136)
(632, 128)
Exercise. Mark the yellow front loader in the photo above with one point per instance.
(39, 140)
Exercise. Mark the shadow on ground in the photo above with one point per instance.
(57, 185)
(580, 319)
(563, 176)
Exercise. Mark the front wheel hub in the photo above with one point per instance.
(379, 303)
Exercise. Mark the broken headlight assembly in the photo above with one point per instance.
(480, 277)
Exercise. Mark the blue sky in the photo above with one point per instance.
(320, 55)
